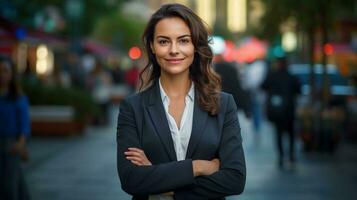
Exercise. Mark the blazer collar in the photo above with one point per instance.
(198, 124)
(157, 113)
(158, 117)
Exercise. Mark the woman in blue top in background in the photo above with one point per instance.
(14, 129)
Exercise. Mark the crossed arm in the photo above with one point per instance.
(200, 167)
(198, 179)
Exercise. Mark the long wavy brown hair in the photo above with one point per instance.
(207, 82)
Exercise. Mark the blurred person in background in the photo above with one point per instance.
(99, 82)
(14, 130)
(132, 77)
(253, 76)
(180, 137)
(118, 74)
(282, 89)
(352, 110)
(76, 71)
(232, 84)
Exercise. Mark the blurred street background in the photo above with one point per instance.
(77, 59)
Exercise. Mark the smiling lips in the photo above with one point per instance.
(175, 60)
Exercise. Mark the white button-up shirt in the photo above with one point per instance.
(180, 136)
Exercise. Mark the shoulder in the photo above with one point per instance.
(224, 97)
(137, 99)
(226, 101)
(132, 100)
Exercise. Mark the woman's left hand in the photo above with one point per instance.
(137, 157)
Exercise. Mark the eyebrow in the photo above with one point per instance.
(182, 36)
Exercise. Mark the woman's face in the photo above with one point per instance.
(5, 73)
(172, 46)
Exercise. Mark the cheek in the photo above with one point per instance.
(190, 54)
(190, 59)
(188, 51)
(159, 58)
(160, 53)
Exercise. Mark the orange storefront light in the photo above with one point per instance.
(134, 53)
(328, 49)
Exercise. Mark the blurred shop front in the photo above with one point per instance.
(33, 51)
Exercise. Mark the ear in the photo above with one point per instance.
(152, 48)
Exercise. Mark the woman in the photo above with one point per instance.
(14, 129)
(180, 137)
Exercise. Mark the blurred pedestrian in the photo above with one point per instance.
(75, 70)
(132, 77)
(232, 85)
(254, 75)
(180, 137)
(14, 130)
(282, 89)
(99, 83)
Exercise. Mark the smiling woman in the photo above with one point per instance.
(180, 123)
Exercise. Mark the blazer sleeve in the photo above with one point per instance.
(230, 179)
(145, 180)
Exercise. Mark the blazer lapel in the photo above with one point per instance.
(198, 124)
(158, 117)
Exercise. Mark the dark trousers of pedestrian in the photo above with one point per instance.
(12, 181)
(280, 130)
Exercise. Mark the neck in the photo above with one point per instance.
(175, 86)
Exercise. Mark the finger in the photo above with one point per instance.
(136, 150)
(136, 156)
(136, 163)
(132, 153)
(138, 159)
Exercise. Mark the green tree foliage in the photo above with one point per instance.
(25, 11)
(123, 30)
(316, 13)
(310, 16)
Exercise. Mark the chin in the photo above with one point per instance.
(175, 70)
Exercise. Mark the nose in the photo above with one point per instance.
(174, 49)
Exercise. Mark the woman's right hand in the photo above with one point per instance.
(137, 157)
(205, 167)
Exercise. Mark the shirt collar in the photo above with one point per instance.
(190, 94)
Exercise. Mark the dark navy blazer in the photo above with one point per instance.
(142, 123)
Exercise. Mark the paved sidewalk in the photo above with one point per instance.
(75, 168)
(316, 176)
(84, 168)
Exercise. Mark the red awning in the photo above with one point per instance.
(249, 50)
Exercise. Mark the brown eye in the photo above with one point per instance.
(163, 42)
(184, 41)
